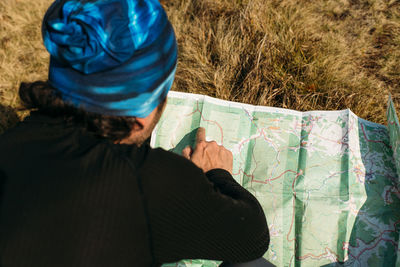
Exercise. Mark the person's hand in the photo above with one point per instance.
(208, 155)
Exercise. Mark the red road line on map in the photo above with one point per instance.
(196, 110)
(269, 180)
(370, 248)
(201, 115)
(372, 141)
(340, 142)
(308, 255)
(389, 192)
(379, 239)
(245, 141)
(358, 245)
(216, 123)
(244, 173)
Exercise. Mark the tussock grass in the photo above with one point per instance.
(303, 55)
(22, 54)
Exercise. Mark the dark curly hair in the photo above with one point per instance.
(42, 96)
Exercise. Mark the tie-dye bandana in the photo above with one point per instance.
(114, 57)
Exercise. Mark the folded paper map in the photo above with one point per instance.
(328, 181)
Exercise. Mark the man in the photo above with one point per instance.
(80, 186)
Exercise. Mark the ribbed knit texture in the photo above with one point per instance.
(68, 198)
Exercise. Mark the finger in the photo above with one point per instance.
(201, 135)
(198, 152)
(214, 144)
(186, 152)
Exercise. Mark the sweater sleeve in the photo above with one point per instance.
(193, 215)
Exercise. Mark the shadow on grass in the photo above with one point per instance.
(8, 118)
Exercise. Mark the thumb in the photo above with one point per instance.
(187, 152)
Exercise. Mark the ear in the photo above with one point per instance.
(139, 124)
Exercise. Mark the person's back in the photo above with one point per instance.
(80, 186)
(69, 199)
(73, 199)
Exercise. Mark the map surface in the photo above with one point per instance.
(328, 181)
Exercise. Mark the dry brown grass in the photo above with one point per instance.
(298, 54)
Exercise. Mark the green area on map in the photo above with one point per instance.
(328, 181)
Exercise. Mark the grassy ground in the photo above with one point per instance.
(302, 55)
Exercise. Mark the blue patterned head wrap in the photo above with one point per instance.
(114, 57)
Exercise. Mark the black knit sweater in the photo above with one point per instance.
(68, 198)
